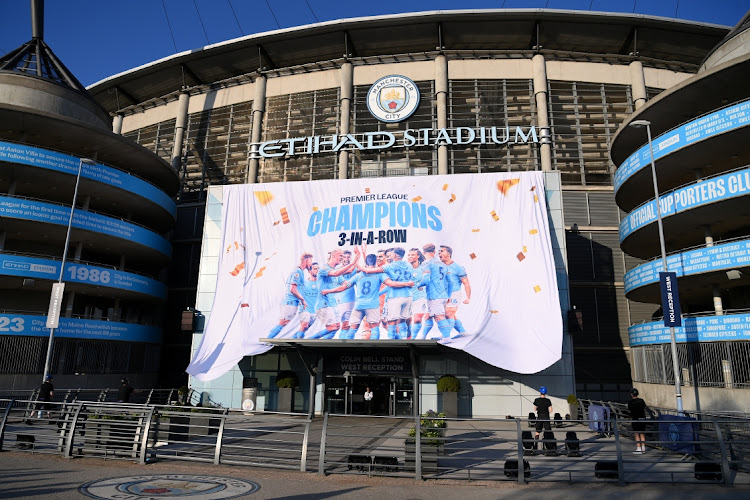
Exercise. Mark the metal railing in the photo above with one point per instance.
(584, 450)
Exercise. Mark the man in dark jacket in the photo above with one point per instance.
(46, 391)
(125, 392)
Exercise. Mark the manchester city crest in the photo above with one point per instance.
(393, 98)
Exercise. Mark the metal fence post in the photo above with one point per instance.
(418, 450)
(4, 421)
(725, 469)
(148, 398)
(618, 445)
(322, 459)
(521, 466)
(68, 453)
(220, 437)
(305, 438)
(146, 431)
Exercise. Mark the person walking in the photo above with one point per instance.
(637, 411)
(368, 401)
(46, 391)
(542, 407)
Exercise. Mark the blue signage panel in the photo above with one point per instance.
(707, 191)
(31, 267)
(52, 160)
(699, 329)
(719, 122)
(21, 208)
(670, 299)
(716, 258)
(34, 326)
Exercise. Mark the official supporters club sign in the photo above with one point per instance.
(464, 260)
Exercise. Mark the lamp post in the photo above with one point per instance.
(672, 341)
(48, 360)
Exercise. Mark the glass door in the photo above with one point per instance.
(403, 399)
(336, 395)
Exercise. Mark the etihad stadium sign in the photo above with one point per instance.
(393, 99)
(372, 141)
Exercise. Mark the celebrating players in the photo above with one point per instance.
(329, 278)
(456, 278)
(293, 297)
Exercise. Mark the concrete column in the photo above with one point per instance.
(718, 304)
(345, 105)
(2, 240)
(12, 187)
(539, 68)
(123, 261)
(637, 84)
(259, 109)
(441, 94)
(709, 237)
(86, 202)
(77, 252)
(117, 124)
(179, 130)
(70, 298)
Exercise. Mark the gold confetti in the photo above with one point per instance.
(268, 258)
(536, 199)
(284, 215)
(453, 198)
(264, 197)
(416, 199)
(473, 256)
(492, 311)
(315, 209)
(475, 230)
(520, 256)
(537, 289)
(494, 216)
(276, 223)
(445, 187)
(533, 231)
(239, 267)
(525, 249)
(504, 186)
(367, 190)
(260, 272)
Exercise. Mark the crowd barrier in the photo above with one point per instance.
(679, 448)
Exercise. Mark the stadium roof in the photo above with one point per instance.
(586, 35)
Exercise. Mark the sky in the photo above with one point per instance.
(96, 39)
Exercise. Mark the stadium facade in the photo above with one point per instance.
(217, 112)
(700, 130)
(53, 134)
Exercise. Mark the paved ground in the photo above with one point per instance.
(42, 477)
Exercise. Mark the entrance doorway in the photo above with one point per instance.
(392, 396)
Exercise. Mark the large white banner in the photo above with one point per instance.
(462, 259)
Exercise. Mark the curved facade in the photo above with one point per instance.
(217, 112)
(111, 321)
(700, 130)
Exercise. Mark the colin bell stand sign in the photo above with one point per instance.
(464, 260)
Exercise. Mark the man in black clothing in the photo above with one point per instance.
(125, 392)
(543, 407)
(45, 394)
(637, 411)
